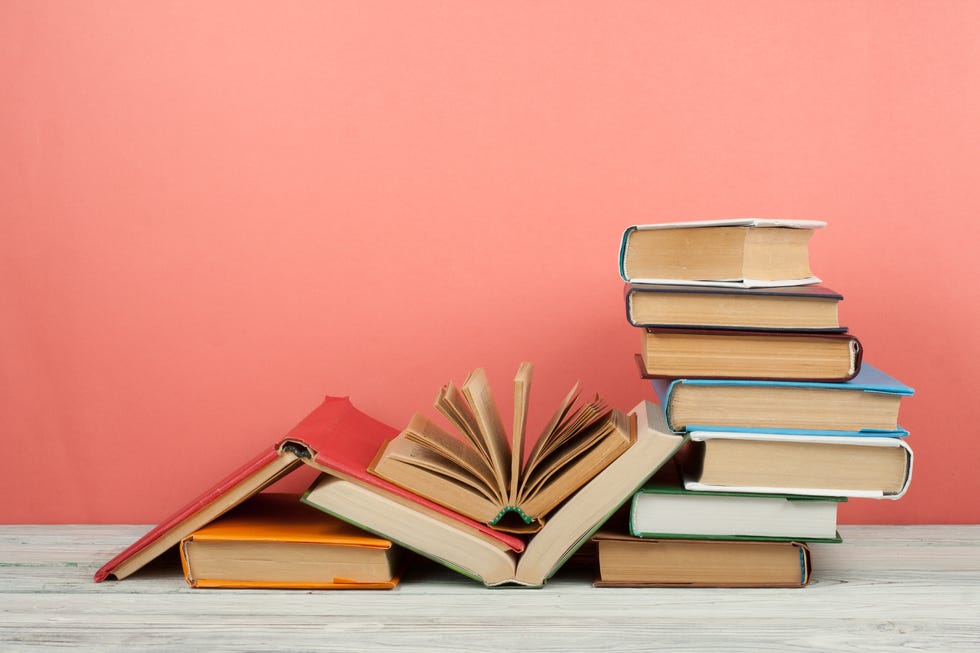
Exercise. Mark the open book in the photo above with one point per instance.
(475, 553)
(482, 475)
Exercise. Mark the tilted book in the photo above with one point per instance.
(742, 253)
(785, 308)
(867, 404)
(481, 473)
(483, 559)
(273, 541)
(336, 438)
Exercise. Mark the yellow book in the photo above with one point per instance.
(275, 541)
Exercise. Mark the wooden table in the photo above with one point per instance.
(911, 588)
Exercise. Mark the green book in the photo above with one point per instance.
(665, 510)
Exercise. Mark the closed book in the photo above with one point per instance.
(867, 404)
(669, 511)
(275, 541)
(784, 308)
(864, 467)
(742, 253)
(770, 355)
(625, 561)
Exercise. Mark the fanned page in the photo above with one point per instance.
(476, 472)
(476, 389)
(522, 392)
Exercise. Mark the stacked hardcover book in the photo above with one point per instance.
(747, 357)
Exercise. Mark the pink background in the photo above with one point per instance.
(215, 213)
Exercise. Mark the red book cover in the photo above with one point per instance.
(336, 438)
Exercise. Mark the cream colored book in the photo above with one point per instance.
(746, 253)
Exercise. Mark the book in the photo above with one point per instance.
(669, 511)
(478, 557)
(625, 561)
(273, 540)
(772, 355)
(866, 467)
(335, 437)
(736, 253)
(481, 473)
(784, 308)
(867, 404)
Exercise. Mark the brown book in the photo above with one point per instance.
(869, 467)
(480, 473)
(789, 308)
(739, 253)
(775, 355)
(625, 561)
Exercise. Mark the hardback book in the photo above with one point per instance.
(669, 511)
(483, 559)
(867, 404)
(736, 253)
(625, 561)
(866, 467)
(336, 438)
(273, 540)
(784, 308)
(483, 474)
(773, 355)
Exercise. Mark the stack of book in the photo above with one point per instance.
(747, 357)
(767, 415)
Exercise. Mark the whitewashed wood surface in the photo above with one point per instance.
(886, 588)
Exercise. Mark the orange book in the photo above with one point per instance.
(275, 541)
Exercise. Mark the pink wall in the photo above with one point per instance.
(214, 213)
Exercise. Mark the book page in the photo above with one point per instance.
(522, 391)
(476, 389)
(453, 406)
(549, 429)
(587, 436)
(425, 433)
(418, 456)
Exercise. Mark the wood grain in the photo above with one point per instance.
(885, 588)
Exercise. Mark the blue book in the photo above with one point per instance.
(868, 405)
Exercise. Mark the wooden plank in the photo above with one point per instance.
(915, 587)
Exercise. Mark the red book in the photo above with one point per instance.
(336, 438)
